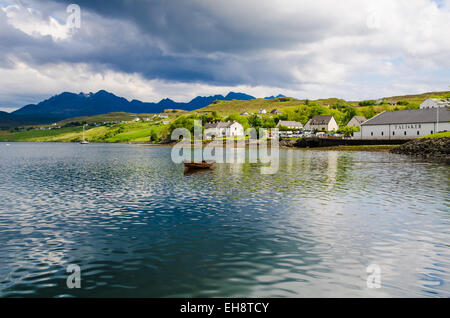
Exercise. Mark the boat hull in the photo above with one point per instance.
(197, 165)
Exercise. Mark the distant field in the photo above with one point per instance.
(117, 117)
(129, 132)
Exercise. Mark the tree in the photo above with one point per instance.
(367, 103)
(348, 130)
(255, 121)
(154, 136)
(369, 112)
(269, 123)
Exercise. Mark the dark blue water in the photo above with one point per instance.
(138, 227)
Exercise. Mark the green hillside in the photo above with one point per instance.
(124, 132)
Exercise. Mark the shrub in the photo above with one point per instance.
(367, 103)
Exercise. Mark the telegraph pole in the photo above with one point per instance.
(437, 122)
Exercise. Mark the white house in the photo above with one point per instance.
(405, 124)
(356, 121)
(322, 123)
(262, 111)
(290, 124)
(221, 129)
(434, 103)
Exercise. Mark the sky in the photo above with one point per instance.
(149, 50)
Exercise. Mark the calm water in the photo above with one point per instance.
(138, 227)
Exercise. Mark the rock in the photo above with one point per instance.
(436, 149)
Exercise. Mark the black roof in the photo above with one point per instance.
(428, 115)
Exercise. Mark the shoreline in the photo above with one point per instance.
(362, 148)
(430, 149)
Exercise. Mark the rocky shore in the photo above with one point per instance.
(435, 149)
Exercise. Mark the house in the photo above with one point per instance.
(295, 125)
(390, 102)
(262, 111)
(221, 129)
(434, 103)
(275, 112)
(136, 119)
(322, 123)
(356, 121)
(244, 114)
(405, 124)
(165, 122)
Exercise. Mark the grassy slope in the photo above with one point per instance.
(232, 107)
(438, 135)
(420, 97)
(120, 116)
(129, 132)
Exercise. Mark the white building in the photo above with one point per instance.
(405, 124)
(290, 124)
(434, 103)
(356, 121)
(221, 129)
(322, 123)
(262, 111)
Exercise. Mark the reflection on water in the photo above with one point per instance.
(137, 226)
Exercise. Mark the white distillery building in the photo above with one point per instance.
(322, 123)
(435, 103)
(405, 124)
(221, 129)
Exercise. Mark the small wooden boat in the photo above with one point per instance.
(197, 165)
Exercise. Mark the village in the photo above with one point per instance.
(432, 117)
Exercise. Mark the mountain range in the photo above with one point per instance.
(67, 105)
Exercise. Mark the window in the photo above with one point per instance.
(418, 133)
(382, 133)
(431, 132)
(405, 133)
(393, 133)
(371, 133)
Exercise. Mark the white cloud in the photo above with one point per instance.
(35, 23)
(306, 49)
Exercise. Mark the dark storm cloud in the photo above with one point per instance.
(178, 40)
(215, 26)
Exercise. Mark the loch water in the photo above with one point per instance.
(138, 227)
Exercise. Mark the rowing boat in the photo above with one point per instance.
(197, 165)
